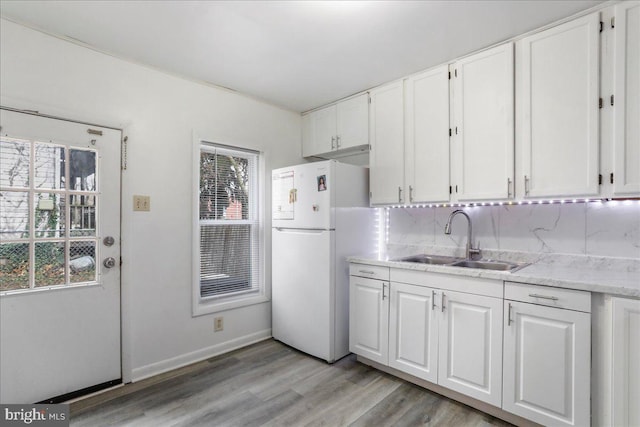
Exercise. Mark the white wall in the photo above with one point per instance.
(609, 229)
(159, 113)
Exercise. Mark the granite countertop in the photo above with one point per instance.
(615, 276)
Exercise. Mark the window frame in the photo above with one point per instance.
(208, 305)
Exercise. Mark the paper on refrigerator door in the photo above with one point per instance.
(282, 190)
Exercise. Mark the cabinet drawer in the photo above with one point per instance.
(545, 295)
(370, 271)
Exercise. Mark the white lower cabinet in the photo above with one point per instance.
(369, 318)
(547, 369)
(413, 331)
(470, 356)
(625, 400)
(458, 346)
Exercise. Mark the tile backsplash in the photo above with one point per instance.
(610, 229)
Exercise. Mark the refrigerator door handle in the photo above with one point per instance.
(301, 230)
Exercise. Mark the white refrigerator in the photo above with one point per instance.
(320, 216)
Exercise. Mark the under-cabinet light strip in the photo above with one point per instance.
(521, 202)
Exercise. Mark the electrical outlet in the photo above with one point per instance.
(218, 324)
(142, 203)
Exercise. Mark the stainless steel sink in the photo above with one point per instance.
(489, 265)
(430, 259)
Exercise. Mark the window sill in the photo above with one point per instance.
(202, 307)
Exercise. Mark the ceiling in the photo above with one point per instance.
(294, 54)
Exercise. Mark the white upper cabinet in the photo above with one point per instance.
(483, 125)
(386, 159)
(557, 92)
(337, 128)
(626, 109)
(427, 136)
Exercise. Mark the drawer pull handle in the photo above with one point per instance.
(366, 272)
(543, 297)
(509, 316)
(433, 300)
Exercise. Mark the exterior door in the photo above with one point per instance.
(59, 257)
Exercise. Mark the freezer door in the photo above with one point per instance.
(302, 196)
(303, 313)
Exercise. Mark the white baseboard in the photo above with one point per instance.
(198, 355)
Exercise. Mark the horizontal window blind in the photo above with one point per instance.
(228, 220)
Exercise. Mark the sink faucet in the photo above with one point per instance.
(447, 230)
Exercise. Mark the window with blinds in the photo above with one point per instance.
(228, 223)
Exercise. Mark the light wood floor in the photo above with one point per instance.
(271, 384)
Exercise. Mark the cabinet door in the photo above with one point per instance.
(413, 331)
(627, 100)
(353, 122)
(483, 132)
(558, 77)
(470, 346)
(547, 364)
(427, 136)
(626, 362)
(387, 144)
(369, 318)
(319, 132)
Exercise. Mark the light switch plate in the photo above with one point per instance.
(141, 203)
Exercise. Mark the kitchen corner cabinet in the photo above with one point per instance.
(547, 347)
(483, 125)
(427, 136)
(625, 410)
(369, 312)
(386, 136)
(338, 128)
(557, 91)
(625, 176)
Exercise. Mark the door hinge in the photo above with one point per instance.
(123, 154)
(601, 26)
(449, 131)
(600, 103)
(611, 178)
(613, 22)
(599, 179)
(612, 100)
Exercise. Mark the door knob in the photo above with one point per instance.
(109, 262)
(109, 241)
